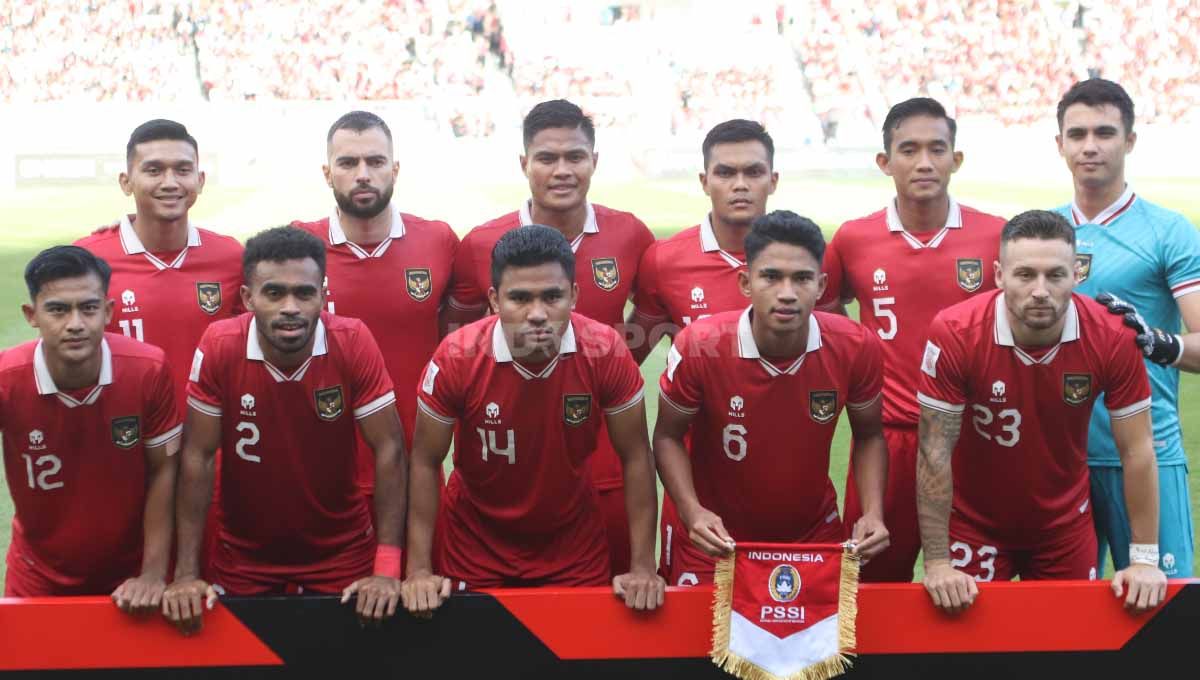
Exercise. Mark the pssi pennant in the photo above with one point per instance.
(605, 273)
(208, 296)
(1077, 388)
(970, 274)
(126, 431)
(1083, 266)
(330, 403)
(419, 283)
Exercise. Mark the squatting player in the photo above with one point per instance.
(523, 393)
(281, 390)
(1022, 366)
(559, 162)
(904, 264)
(1149, 258)
(755, 468)
(90, 429)
(387, 268)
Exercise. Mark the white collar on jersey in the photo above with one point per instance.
(45, 382)
(1004, 337)
(132, 245)
(708, 243)
(254, 352)
(1112, 212)
(953, 221)
(337, 236)
(503, 354)
(590, 225)
(748, 349)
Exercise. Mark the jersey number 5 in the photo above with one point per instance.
(887, 318)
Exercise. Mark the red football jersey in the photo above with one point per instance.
(289, 495)
(75, 461)
(689, 277)
(524, 433)
(168, 301)
(607, 256)
(1020, 467)
(902, 280)
(761, 431)
(400, 311)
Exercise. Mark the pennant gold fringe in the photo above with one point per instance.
(748, 670)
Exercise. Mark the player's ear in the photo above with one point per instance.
(744, 281)
(822, 281)
(958, 161)
(200, 184)
(998, 272)
(704, 182)
(328, 179)
(494, 300)
(244, 291)
(595, 160)
(574, 294)
(29, 312)
(884, 162)
(108, 310)
(1058, 142)
(524, 160)
(395, 170)
(774, 182)
(1130, 140)
(126, 185)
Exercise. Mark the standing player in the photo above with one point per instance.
(523, 393)
(90, 429)
(694, 273)
(281, 390)
(904, 264)
(559, 161)
(1149, 258)
(751, 469)
(386, 268)
(1023, 366)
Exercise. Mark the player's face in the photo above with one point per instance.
(921, 159)
(286, 299)
(738, 181)
(70, 316)
(1037, 277)
(1093, 142)
(559, 164)
(534, 305)
(783, 283)
(164, 179)
(361, 171)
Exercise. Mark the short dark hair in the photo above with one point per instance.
(557, 113)
(530, 246)
(155, 130)
(1039, 224)
(280, 244)
(738, 130)
(917, 106)
(1098, 92)
(64, 262)
(784, 226)
(359, 121)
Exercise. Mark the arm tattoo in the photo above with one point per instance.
(935, 483)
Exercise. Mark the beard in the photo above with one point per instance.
(349, 207)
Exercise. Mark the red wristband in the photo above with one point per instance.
(387, 561)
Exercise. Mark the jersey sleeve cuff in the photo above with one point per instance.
(678, 407)
(639, 313)
(168, 436)
(938, 404)
(630, 403)
(864, 404)
(1186, 288)
(428, 410)
(379, 403)
(462, 306)
(204, 407)
(1131, 410)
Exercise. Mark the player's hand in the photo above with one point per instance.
(184, 602)
(140, 595)
(952, 591)
(424, 592)
(1147, 587)
(377, 598)
(641, 589)
(1159, 346)
(870, 537)
(707, 532)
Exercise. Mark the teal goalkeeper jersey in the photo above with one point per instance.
(1150, 257)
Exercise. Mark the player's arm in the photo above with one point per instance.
(643, 333)
(182, 600)
(378, 594)
(938, 433)
(704, 527)
(143, 593)
(423, 591)
(869, 456)
(1134, 437)
(641, 588)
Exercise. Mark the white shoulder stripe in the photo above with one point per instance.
(865, 404)
(169, 435)
(427, 410)
(1131, 410)
(633, 401)
(385, 399)
(206, 409)
(939, 405)
(682, 409)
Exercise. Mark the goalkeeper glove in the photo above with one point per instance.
(1159, 346)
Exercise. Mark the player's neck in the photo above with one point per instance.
(369, 230)
(730, 237)
(923, 216)
(1092, 200)
(1025, 336)
(569, 223)
(68, 376)
(161, 236)
(285, 361)
(774, 345)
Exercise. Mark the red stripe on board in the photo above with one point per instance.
(590, 623)
(90, 632)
